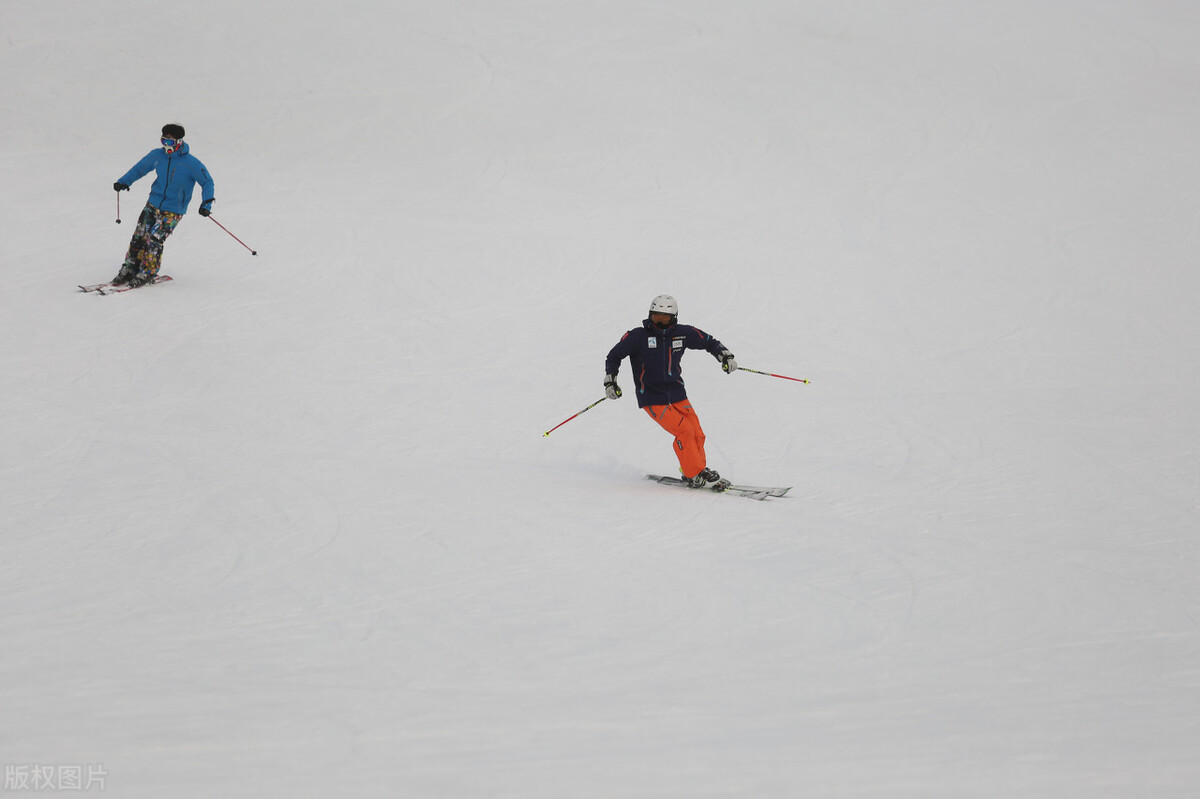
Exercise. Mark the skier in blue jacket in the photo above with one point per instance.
(178, 172)
(655, 351)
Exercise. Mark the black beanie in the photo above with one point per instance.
(173, 131)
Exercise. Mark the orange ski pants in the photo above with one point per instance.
(682, 422)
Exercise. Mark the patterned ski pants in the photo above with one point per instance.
(681, 421)
(146, 246)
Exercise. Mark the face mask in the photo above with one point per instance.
(171, 146)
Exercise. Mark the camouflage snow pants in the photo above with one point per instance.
(146, 246)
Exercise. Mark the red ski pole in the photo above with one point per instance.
(769, 374)
(235, 238)
(564, 421)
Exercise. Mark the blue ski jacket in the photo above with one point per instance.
(178, 175)
(656, 357)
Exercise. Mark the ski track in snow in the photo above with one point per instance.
(288, 526)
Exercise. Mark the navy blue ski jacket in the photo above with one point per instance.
(178, 175)
(656, 357)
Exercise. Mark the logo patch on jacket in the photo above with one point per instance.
(677, 344)
(652, 343)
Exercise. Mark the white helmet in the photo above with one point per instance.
(665, 303)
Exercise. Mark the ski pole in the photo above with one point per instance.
(118, 208)
(564, 421)
(235, 238)
(770, 374)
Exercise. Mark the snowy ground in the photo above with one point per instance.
(288, 526)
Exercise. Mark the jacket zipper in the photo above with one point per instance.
(167, 185)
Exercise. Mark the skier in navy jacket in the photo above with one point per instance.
(178, 172)
(655, 351)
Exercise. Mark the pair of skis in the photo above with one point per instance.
(111, 288)
(749, 492)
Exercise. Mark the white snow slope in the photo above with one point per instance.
(288, 526)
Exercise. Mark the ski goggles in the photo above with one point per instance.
(170, 145)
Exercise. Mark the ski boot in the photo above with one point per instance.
(124, 276)
(140, 279)
(708, 478)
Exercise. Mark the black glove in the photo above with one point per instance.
(119, 186)
(611, 389)
(206, 207)
(727, 361)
